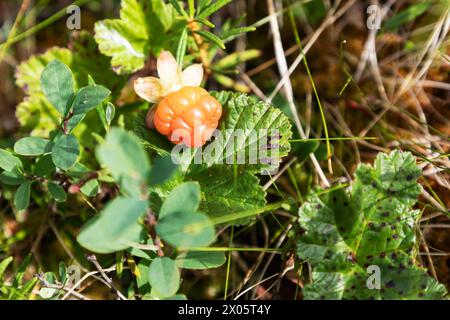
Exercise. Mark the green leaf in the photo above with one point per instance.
(211, 37)
(178, 8)
(233, 59)
(124, 40)
(129, 40)
(128, 162)
(404, 16)
(90, 188)
(185, 229)
(35, 113)
(142, 281)
(144, 254)
(45, 166)
(200, 260)
(88, 98)
(21, 271)
(226, 192)
(303, 149)
(213, 8)
(57, 192)
(57, 85)
(151, 139)
(8, 162)
(13, 178)
(115, 228)
(184, 198)
(62, 271)
(232, 33)
(65, 152)
(205, 22)
(164, 277)
(48, 293)
(372, 226)
(32, 146)
(22, 196)
(3, 265)
(162, 170)
(110, 112)
(182, 45)
(36, 116)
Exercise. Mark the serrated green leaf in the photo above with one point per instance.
(65, 151)
(124, 40)
(57, 192)
(372, 226)
(8, 162)
(88, 98)
(164, 277)
(32, 146)
(251, 122)
(200, 260)
(115, 228)
(226, 192)
(36, 116)
(22, 196)
(129, 40)
(151, 139)
(57, 85)
(183, 198)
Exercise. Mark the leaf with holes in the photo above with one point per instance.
(87, 98)
(347, 236)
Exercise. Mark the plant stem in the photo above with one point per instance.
(201, 44)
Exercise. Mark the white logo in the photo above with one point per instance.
(374, 19)
(74, 20)
(374, 281)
